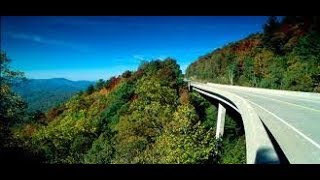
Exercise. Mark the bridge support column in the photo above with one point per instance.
(220, 121)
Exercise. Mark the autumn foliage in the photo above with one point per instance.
(285, 56)
(145, 116)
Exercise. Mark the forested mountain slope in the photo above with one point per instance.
(285, 56)
(146, 116)
(44, 94)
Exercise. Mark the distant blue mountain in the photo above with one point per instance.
(43, 94)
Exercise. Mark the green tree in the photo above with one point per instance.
(126, 74)
(39, 117)
(275, 77)
(273, 38)
(298, 76)
(184, 140)
(232, 71)
(144, 122)
(12, 112)
(101, 151)
(150, 89)
(12, 107)
(99, 85)
(269, 29)
(90, 89)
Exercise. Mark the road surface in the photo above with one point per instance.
(293, 118)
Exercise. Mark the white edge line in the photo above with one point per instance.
(293, 104)
(273, 93)
(289, 125)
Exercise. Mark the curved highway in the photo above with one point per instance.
(293, 118)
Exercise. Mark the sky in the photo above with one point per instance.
(94, 47)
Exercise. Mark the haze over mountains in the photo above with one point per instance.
(43, 94)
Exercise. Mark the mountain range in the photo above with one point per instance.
(43, 94)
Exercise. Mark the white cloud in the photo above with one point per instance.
(147, 58)
(43, 40)
(138, 57)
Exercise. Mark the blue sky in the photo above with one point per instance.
(89, 48)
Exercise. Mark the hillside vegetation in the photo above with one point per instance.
(285, 56)
(146, 116)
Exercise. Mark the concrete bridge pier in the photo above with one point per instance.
(220, 121)
(189, 86)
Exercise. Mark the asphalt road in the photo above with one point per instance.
(293, 118)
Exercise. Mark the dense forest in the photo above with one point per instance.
(285, 56)
(146, 116)
(44, 94)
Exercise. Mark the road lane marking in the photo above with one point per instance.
(289, 125)
(248, 90)
(287, 103)
(293, 98)
(318, 102)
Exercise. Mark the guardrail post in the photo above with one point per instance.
(220, 121)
